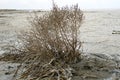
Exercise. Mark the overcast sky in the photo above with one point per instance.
(47, 4)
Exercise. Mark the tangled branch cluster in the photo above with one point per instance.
(52, 44)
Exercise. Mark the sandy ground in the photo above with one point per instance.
(96, 33)
(7, 70)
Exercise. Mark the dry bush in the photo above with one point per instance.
(53, 43)
(57, 34)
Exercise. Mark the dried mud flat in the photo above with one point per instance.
(96, 33)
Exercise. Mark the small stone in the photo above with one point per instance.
(9, 67)
(7, 73)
